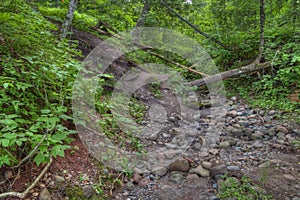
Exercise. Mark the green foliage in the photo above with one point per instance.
(243, 189)
(36, 76)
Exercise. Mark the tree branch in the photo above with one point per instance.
(194, 27)
(24, 194)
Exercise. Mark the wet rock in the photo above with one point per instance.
(45, 194)
(88, 191)
(181, 165)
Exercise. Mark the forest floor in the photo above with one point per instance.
(252, 142)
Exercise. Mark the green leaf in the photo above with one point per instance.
(5, 142)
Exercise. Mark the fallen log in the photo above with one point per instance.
(254, 66)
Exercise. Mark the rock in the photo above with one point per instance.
(206, 165)
(181, 165)
(35, 194)
(130, 186)
(88, 191)
(160, 171)
(232, 113)
(144, 182)
(214, 151)
(233, 168)
(136, 178)
(8, 174)
(192, 177)
(282, 129)
(224, 144)
(197, 117)
(289, 177)
(59, 179)
(177, 178)
(45, 195)
(200, 171)
(257, 135)
(233, 98)
(272, 112)
(218, 170)
(153, 137)
(170, 153)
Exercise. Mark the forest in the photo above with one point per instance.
(211, 109)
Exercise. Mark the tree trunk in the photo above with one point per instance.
(68, 21)
(227, 74)
(262, 31)
(145, 11)
(194, 27)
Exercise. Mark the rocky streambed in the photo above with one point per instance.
(238, 141)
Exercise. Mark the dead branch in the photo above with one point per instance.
(22, 195)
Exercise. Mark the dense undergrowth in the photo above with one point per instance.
(37, 71)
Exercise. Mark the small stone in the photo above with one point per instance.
(197, 146)
(181, 165)
(137, 178)
(233, 98)
(170, 153)
(192, 177)
(130, 186)
(88, 191)
(177, 178)
(282, 129)
(214, 151)
(257, 135)
(45, 194)
(206, 165)
(160, 171)
(8, 174)
(272, 112)
(232, 113)
(224, 144)
(200, 171)
(233, 168)
(144, 182)
(289, 177)
(153, 137)
(35, 194)
(218, 170)
(59, 179)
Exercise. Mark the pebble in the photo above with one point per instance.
(206, 165)
(282, 129)
(289, 177)
(59, 179)
(88, 191)
(45, 194)
(177, 178)
(181, 165)
(200, 171)
(233, 168)
(218, 170)
(224, 144)
(160, 171)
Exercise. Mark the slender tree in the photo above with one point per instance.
(69, 18)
